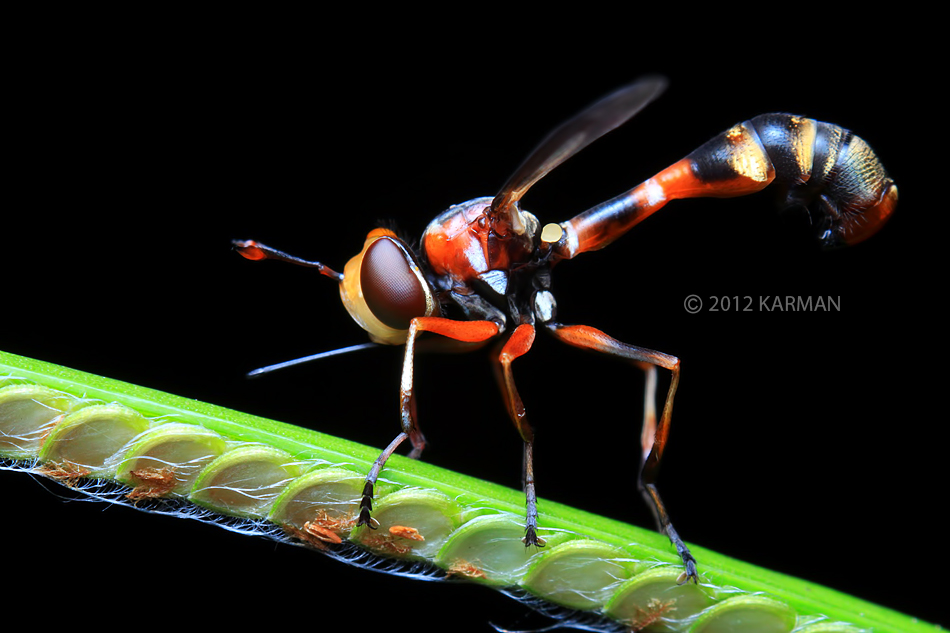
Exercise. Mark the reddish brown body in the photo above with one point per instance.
(488, 264)
(469, 240)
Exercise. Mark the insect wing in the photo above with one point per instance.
(577, 133)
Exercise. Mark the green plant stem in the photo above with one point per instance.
(805, 598)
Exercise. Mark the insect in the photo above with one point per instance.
(483, 268)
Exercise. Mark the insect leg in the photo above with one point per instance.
(648, 430)
(652, 444)
(517, 345)
(465, 331)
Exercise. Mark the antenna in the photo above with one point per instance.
(305, 359)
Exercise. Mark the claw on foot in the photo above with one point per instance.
(531, 538)
(689, 573)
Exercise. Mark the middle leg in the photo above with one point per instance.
(517, 345)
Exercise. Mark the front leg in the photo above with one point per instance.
(654, 436)
(464, 331)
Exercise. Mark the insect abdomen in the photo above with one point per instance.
(815, 163)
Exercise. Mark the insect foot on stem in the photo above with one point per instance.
(366, 506)
(531, 537)
(690, 572)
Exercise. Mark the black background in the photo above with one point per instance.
(809, 443)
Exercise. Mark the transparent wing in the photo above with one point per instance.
(577, 133)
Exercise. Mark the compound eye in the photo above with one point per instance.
(392, 288)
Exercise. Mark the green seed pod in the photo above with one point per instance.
(411, 522)
(655, 600)
(741, 614)
(86, 441)
(327, 495)
(168, 458)
(27, 414)
(581, 574)
(245, 481)
(487, 549)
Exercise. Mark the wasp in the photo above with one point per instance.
(483, 268)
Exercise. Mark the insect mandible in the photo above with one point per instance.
(483, 268)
